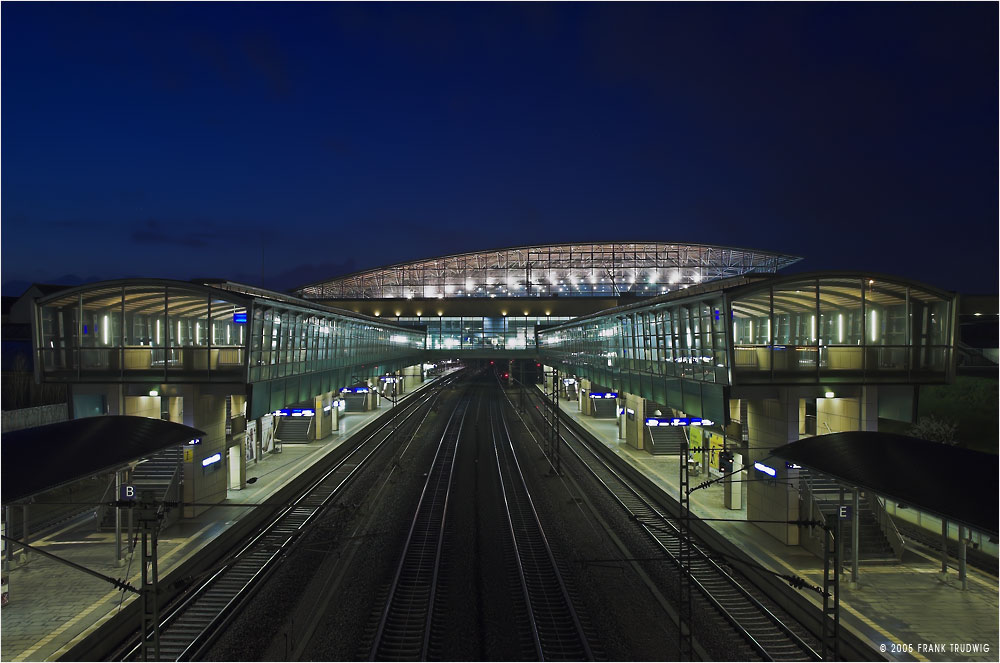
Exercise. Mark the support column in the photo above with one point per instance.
(319, 420)
(8, 549)
(118, 519)
(868, 410)
(855, 537)
(635, 412)
(772, 422)
(944, 547)
(25, 529)
(961, 557)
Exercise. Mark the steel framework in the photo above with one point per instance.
(573, 270)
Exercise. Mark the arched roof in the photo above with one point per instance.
(836, 287)
(954, 483)
(187, 298)
(80, 448)
(600, 269)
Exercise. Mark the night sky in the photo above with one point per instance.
(181, 140)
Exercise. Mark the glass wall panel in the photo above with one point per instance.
(751, 315)
(144, 337)
(794, 326)
(886, 327)
(841, 327)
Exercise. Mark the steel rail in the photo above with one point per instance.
(709, 572)
(404, 626)
(193, 623)
(549, 608)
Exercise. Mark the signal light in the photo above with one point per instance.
(491, 363)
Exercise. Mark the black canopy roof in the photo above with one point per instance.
(42, 458)
(954, 483)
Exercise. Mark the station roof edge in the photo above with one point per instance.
(789, 258)
(750, 282)
(245, 295)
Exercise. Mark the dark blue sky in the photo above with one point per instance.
(175, 140)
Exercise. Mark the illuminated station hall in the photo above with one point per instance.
(762, 403)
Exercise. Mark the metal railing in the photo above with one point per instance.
(892, 535)
(172, 492)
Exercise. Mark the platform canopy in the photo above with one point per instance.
(39, 459)
(957, 484)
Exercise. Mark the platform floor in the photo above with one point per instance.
(908, 604)
(52, 605)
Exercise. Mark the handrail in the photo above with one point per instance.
(312, 420)
(172, 485)
(877, 505)
(815, 512)
(102, 507)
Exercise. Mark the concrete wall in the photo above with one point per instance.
(635, 427)
(143, 406)
(206, 485)
(772, 423)
(176, 407)
(30, 417)
(414, 375)
(835, 415)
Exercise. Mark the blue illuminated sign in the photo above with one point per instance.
(296, 412)
(354, 390)
(770, 471)
(609, 394)
(678, 421)
(214, 458)
(240, 318)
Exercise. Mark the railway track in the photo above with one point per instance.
(404, 629)
(556, 629)
(763, 629)
(194, 621)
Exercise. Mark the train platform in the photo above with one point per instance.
(909, 611)
(43, 621)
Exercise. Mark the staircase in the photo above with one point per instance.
(665, 440)
(874, 545)
(293, 430)
(155, 474)
(354, 402)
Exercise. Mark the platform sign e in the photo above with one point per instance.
(127, 493)
(844, 512)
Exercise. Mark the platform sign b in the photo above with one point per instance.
(127, 493)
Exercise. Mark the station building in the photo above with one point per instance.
(475, 304)
(661, 331)
(231, 360)
(759, 362)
